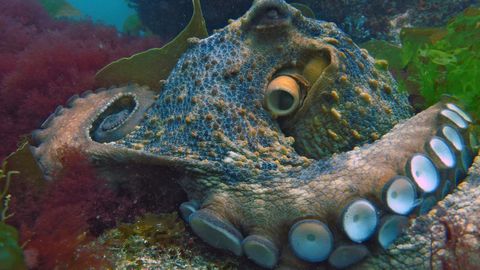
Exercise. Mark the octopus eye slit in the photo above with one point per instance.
(269, 17)
(114, 120)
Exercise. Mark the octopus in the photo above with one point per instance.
(294, 146)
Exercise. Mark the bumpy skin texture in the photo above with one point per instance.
(249, 174)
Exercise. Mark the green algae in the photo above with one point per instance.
(60, 9)
(162, 241)
(11, 254)
(152, 66)
(20, 162)
(159, 229)
(452, 64)
(384, 50)
(438, 61)
(415, 38)
(133, 25)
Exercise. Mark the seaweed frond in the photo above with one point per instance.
(5, 179)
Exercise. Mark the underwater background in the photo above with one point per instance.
(52, 49)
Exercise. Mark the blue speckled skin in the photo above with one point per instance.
(249, 174)
(212, 103)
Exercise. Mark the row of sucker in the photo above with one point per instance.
(428, 177)
(112, 113)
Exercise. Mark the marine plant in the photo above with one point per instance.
(154, 65)
(60, 8)
(437, 61)
(74, 209)
(452, 64)
(252, 192)
(84, 201)
(44, 61)
(167, 18)
(11, 254)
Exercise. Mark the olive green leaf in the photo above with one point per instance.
(154, 65)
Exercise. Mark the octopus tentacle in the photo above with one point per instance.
(71, 126)
(414, 164)
(216, 231)
(262, 178)
(446, 236)
(90, 121)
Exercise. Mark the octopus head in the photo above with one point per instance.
(319, 86)
(274, 86)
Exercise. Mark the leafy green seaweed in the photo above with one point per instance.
(452, 65)
(384, 50)
(60, 8)
(152, 66)
(438, 61)
(11, 254)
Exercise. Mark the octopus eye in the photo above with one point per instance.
(269, 17)
(282, 96)
(114, 122)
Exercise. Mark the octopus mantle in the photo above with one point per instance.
(294, 147)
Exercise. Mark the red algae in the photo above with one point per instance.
(74, 209)
(45, 61)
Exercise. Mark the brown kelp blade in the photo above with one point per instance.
(152, 66)
(24, 162)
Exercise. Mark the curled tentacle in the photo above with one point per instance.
(300, 220)
(112, 113)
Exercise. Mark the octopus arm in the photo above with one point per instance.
(90, 124)
(343, 213)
